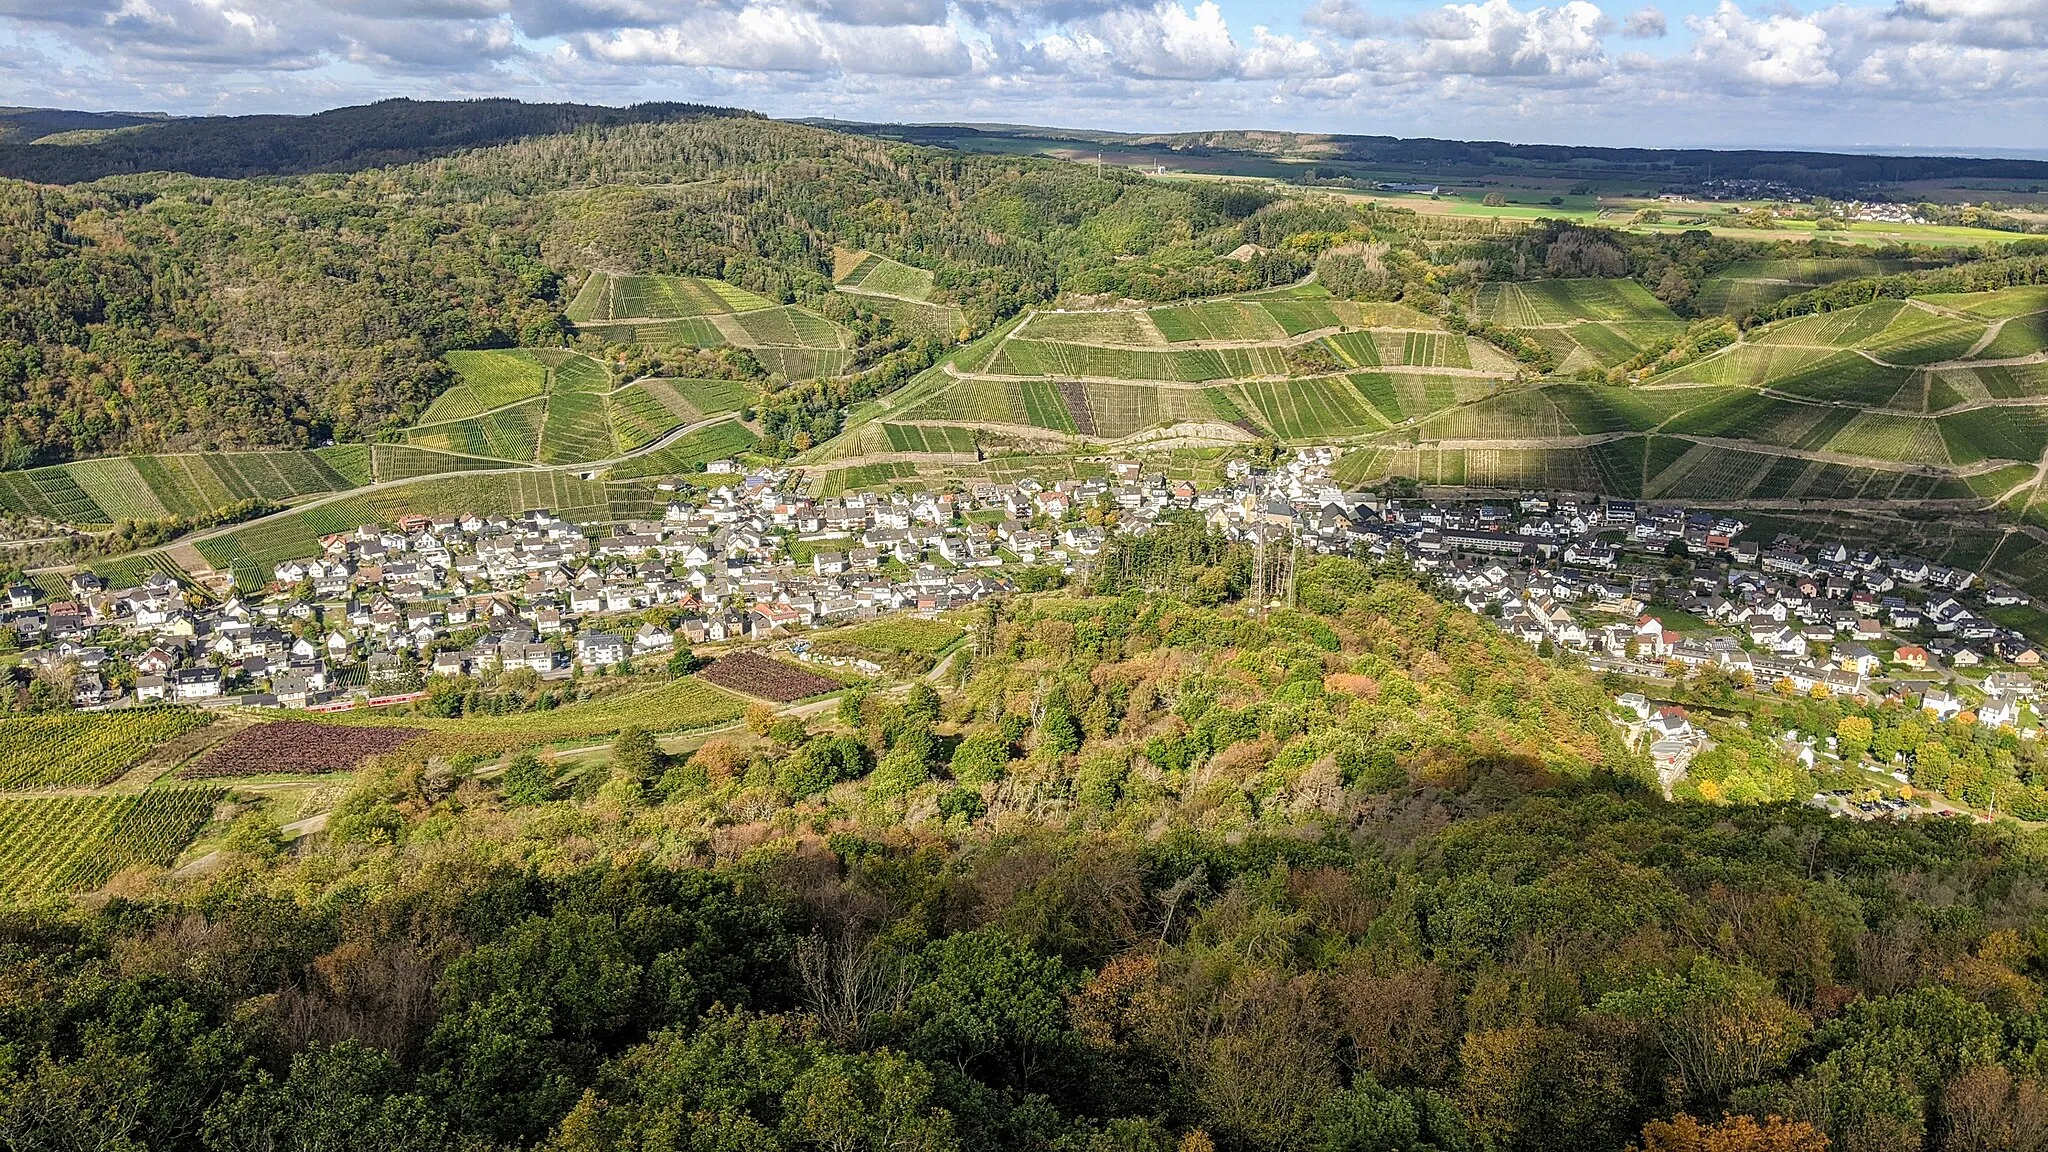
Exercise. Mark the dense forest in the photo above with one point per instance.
(396, 131)
(1139, 872)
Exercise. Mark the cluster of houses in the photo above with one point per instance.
(383, 605)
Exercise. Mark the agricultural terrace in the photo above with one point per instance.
(1751, 286)
(1583, 324)
(296, 748)
(1911, 401)
(111, 489)
(868, 273)
(548, 406)
(897, 635)
(684, 705)
(1295, 366)
(694, 312)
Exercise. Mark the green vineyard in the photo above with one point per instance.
(67, 844)
(85, 749)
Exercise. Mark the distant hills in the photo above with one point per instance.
(62, 147)
(1813, 172)
(342, 140)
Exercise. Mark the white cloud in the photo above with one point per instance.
(1345, 18)
(1167, 41)
(1968, 71)
(1784, 50)
(1497, 39)
(769, 37)
(1645, 24)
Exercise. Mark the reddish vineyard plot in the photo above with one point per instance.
(297, 747)
(757, 675)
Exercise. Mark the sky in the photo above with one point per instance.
(1853, 74)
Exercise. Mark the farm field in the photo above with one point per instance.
(295, 747)
(487, 379)
(687, 311)
(57, 845)
(85, 749)
(690, 453)
(753, 674)
(684, 705)
(1538, 303)
(1753, 285)
(558, 407)
(611, 296)
(111, 489)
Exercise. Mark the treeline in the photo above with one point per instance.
(2021, 263)
(396, 131)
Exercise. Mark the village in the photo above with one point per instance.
(1654, 592)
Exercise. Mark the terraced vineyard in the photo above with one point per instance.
(1889, 401)
(879, 275)
(688, 311)
(1885, 402)
(112, 489)
(1754, 285)
(57, 845)
(1282, 364)
(551, 406)
(1583, 324)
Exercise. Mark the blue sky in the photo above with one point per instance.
(1921, 74)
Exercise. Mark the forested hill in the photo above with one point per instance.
(394, 131)
(162, 311)
(1134, 872)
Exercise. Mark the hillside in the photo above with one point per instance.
(1128, 871)
(158, 313)
(1938, 398)
(396, 131)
